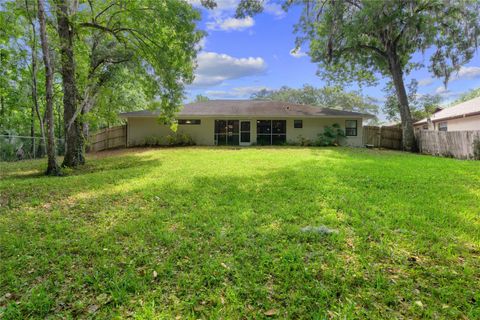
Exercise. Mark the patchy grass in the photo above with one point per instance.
(217, 233)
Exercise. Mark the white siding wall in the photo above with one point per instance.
(468, 123)
(141, 128)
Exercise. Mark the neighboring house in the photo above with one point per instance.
(463, 116)
(246, 122)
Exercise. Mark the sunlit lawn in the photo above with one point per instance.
(216, 233)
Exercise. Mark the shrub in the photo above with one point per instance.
(180, 139)
(331, 136)
(476, 149)
(152, 141)
(7, 152)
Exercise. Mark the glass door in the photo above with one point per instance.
(245, 132)
(227, 132)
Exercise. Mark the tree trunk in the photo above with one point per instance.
(52, 167)
(36, 107)
(408, 135)
(2, 109)
(72, 127)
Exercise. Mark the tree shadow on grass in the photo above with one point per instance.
(27, 192)
(231, 245)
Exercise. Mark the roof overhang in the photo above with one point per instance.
(183, 116)
(460, 116)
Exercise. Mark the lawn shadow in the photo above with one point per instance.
(223, 238)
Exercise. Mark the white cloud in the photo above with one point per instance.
(425, 82)
(215, 68)
(297, 53)
(221, 18)
(234, 93)
(466, 73)
(275, 9)
(230, 24)
(445, 93)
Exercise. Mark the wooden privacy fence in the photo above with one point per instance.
(110, 138)
(457, 144)
(383, 137)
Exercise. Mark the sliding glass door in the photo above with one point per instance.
(227, 132)
(271, 132)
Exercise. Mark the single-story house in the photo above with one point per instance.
(246, 122)
(460, 117)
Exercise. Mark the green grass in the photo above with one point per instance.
(216, 233)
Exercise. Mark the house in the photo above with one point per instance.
(246, 122)
(460, 117)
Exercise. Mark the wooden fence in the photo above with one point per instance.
(110, 138)
(457, 144)
(383, 137)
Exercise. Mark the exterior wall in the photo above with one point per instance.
(462, 124)
(313, 126)
(141, 128)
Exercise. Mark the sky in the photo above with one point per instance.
(242, 56)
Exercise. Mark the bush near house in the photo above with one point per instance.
(250, 233)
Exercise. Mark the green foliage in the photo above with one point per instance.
(326, 97)
(209, 233)
(175, 139)
(121, 65)
(421, 106)
(301, 141)
(476, 149)
(7, 151)
(472, 94)
(331, 136)
(180, 139)
(201, 98)
(353, 40)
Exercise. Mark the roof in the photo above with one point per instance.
(465, 109)
(250, 108)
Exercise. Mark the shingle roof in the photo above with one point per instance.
(464, 109)
(251, 108)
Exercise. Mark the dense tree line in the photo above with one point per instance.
(69, 66)
(327, 97)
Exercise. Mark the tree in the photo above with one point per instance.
(357, 40)
(326, 97)
(52, 167)
(421, 105)
(201, 98)
(164, 44)
(472, 94)
(34, 73)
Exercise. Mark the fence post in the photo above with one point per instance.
(34, 147)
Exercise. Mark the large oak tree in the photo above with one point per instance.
(360, 40)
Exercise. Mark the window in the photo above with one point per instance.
(226, 132)
(442, 126)
(351, 128)
(189, 121)
(271, 132)
(298, 124)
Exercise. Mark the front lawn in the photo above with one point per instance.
(217, 233)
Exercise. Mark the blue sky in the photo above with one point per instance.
(241, 56)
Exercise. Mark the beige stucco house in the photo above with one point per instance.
(246, 122)
(460, 117)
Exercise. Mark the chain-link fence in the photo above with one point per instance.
(16, 148)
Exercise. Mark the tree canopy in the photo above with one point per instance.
(326, 97)
(104, 60)
(421, 105)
